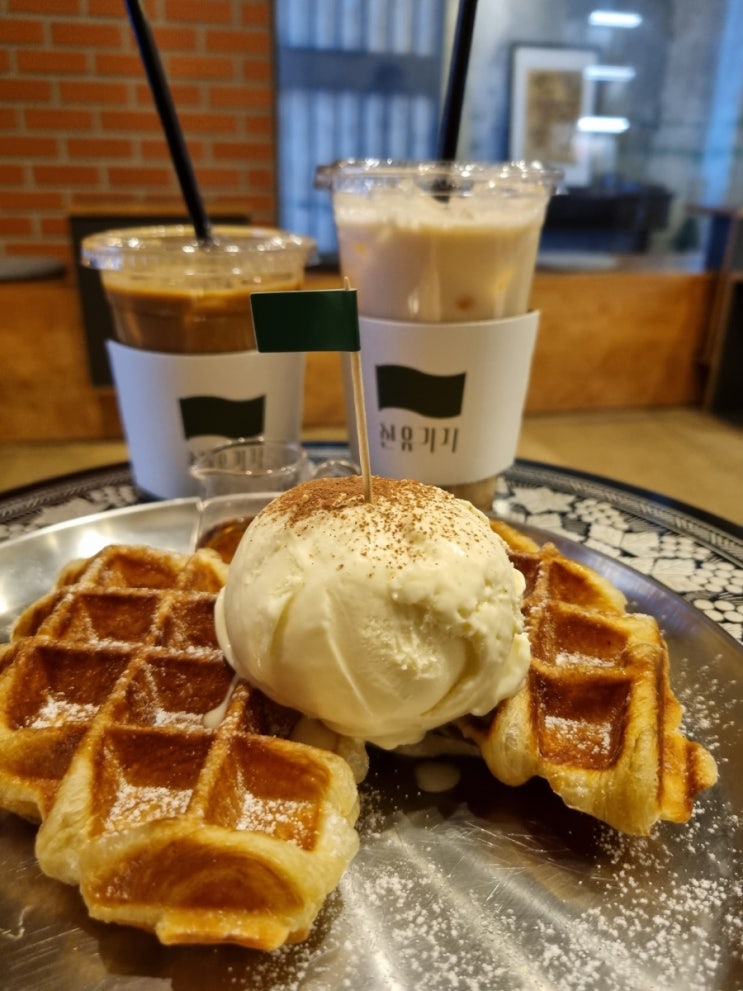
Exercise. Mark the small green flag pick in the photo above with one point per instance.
(317, 320)
(306, 320)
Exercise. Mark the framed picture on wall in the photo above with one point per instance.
(549, 94)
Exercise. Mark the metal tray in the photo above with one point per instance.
(478, 888)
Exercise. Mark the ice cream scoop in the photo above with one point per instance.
(383, 619)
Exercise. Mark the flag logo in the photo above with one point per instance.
(437, 396)
(204, 416)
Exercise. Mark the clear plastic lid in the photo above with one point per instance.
(232, 247)
(452, 178)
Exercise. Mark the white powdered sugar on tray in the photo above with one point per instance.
(444, 900)
(487, 888)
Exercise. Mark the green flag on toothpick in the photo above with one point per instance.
(317, 320)
(306, 320)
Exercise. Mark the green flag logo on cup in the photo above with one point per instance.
(437, 396)
(215, 416)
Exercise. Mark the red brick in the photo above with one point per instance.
(86, 148)
(141, 122)
(19, 146)
(242, 150)
(11, 175)
(173, 39)
(257, 69)
(87, 34)
(15, 226)
(259, 126)
(18, 31)
(183, 94)
(42, 61)
(43, 6)
(219, 179)
(72, 91)
(9, 119)
(238, 42)
(110, 64)
(208, 123)
(66, 175)
(25, 90)
(187, 94)
(201, 67)
(87, 198)
(262, 178)
(241, 96)
(58, 119)
(105, 8)
(262, 207)
(213, 12)
(142, 177)
(255, 14)
(157, 148)
(159, 151)
(200, 152)
(19, 199)
(56, 226)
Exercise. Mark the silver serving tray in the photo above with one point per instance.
(478, 888)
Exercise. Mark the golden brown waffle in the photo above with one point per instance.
(596, 716)
(69, 649)
(228, 834)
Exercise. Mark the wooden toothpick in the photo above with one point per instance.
(362, 436)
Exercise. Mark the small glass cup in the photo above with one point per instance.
(237, 479)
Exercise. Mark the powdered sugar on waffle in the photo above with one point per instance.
(445, 898)
(258, 813)
(136, 804)
(58, 711)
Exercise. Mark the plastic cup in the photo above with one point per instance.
(184, 362)
(439, 242)
(170, 293)
(442, 256)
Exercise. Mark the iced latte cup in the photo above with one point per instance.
(169, 293)
(184, 362)
(442, 256)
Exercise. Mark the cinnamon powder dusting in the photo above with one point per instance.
(422, 506)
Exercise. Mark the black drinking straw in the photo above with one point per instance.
(452, 115)
(169, 119)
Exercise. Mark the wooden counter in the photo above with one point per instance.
(608, 339)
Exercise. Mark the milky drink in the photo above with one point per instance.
(437, 251)
(415, 257)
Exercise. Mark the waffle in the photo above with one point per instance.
(226, 834)
(596, 716)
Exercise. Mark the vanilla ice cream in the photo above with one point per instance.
(384, 619)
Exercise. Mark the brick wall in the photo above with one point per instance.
(78, 128)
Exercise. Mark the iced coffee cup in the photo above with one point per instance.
(184, 362)
(443, 257)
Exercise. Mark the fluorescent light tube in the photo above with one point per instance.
(603, 125)
(609, 73)
(614, 19)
